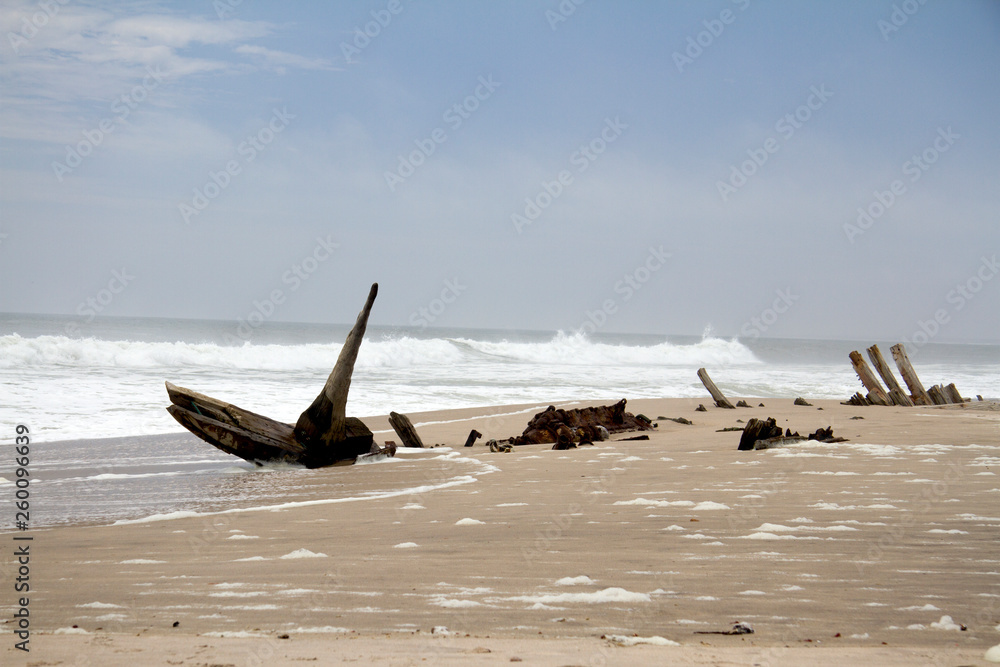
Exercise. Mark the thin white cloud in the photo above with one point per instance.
(177, 32)
(60, 75)
(277, 60)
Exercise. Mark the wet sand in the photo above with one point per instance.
(839, 553)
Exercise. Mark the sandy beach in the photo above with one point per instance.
(881, 550)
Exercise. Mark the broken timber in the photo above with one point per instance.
(913, 383)
(876, 394)
(403, 427)
(323, 435)
(936, 395)
(717, 396)
(895, 391)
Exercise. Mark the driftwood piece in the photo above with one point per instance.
(896, 393)
(857, 399)
(403, 427)
(937, 395)
(323, 435)
(757, 429)
(248, 435)
(917, 391)
(951, 391)
(473, 436)
(719, 398)
(876, 394)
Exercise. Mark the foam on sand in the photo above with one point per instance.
(778, 528)
(946, 623)
(622, 640)
(326, 630)
(405, 545)
(450, 603)
(612, 594)
(575, 581)
(469, 522)
(418, 490)
(645, 502)
(709, 505)
(302, 553)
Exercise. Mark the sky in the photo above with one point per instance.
(766, 169)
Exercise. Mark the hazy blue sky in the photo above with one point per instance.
(691, 163)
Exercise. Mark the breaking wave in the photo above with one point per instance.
(401, 352)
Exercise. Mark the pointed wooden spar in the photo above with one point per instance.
(896, 392)
(325, 422)
(719, 398)
(876, 394)
(917, 390)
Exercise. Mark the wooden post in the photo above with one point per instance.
(473, 436)
(403, 427)
(895, 391)
(720, 399)
(876, 394)
(937, 395)
(951, 391)
(916, 388)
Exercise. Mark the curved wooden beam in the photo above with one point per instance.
(325, 421)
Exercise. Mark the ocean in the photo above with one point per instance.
(77, 384)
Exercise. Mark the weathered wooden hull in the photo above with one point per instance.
(259, 439)
(323, 436)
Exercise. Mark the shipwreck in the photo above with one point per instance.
(323, 435)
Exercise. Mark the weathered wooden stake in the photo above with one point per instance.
(937, 395)
(913, 383)
(876, 394)
(718, 396)
(951, 391)
(473, 436)
(895, 391)
(403, 427)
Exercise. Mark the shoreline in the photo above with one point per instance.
(538, 553)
